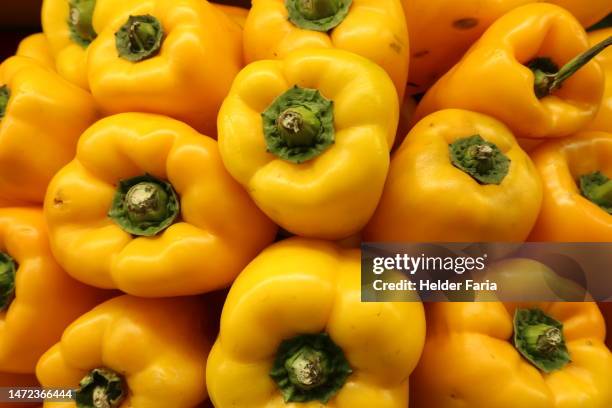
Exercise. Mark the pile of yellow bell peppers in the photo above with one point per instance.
(184, 187)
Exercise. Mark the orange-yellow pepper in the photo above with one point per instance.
(37, 47)
(147, 207)
(375, 29)
(41, 118)
(37, 298)
(237, 14)
(441, 31)
(458, 176)
(603, 120)
(522, 71)
(71, 25)
(133, 352)
(172, 57)
(309, 138)
(294, 333)
(496, 355)
(577, 205)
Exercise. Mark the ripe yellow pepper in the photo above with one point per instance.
(41, 118)
(71, 25)
(441, 31)
(458, 176)
(577, 205)
(540, 355)
(147, 207)
(237, 14)
(305, 135)
(37, 298)
(374, 29)
(133, 352)
(37, 47)
(603, 120)
(294, 333)
(171, 57)
(531, 69)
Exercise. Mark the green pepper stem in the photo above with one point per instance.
(603, 193)
(8, 269)
(101, 388)
(146, 201)
(480, 159)
(307, 368)
(545, 82)
(5, 95)
(80, 21)
(318, 9)
(299, 126)
(139, 38)
(597, 188)
(539, 338)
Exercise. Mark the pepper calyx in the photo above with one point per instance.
(480, 159)
(5, 95)
(139, 38)
(8, 271)
(597, 188)
(101, 388)
(317, 15)
(80, 21)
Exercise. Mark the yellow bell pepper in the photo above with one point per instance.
(171, 57)
(147, 207)
(41, 118)
(531, 69)
(37, 47)
(374, 29)
(237, 14)
(71, 25)
(603, 120)
(577, 205)
(458, 176)
(307, 134)
(540, 355)
(441, 31)
(37, 298)
(132, 352)
(294, 333)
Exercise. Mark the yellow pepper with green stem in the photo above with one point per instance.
(294, 333)
(147, 207)
(71, 25)
(531, 69)
(458, 176)
(37, 298)
(374, 29)
(133, 352)
(503, 355)
(171, 57)
(577, 205)
(306, 134)
(41, 119)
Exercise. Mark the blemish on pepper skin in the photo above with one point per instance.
(58, 201)
(465, 23)
(396, 47)
(420, 54)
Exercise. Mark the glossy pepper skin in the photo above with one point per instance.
(441, 31)
(37, 47)
(298, 287)
(493, 77)
(603, 120)
(185, 74)
(319, 192)
(237, 14)
(201, 250)
(43, 118)
(158, 346)
(567, 215)
(70, 33)
(428, 198)
(44, 299)
(374, 29)
(489, 372)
